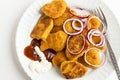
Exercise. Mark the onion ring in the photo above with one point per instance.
(74, 26)
(102, 55)
(81, 13)
(85, 22)
(95, 32)
(103, 26)
(75, 33)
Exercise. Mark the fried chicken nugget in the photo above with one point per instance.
(56, 29)
(103, 48)
(96, 40)
(73, 69)
(92, 57)
(73, 56)
(59, 58)
(94, 23)
(75, 44)
(54, 9)
(69, 28)
(82, 61)
(55, 41)
(42, 28)
(60, 20)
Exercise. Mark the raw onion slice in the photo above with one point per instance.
(79, 30)
(71, 52)
(102, 55)
(95, 32)
(80, 13)
(85, 22)
(98, 33)
(102, 24)
(74, 26)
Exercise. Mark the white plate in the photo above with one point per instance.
(30, 18)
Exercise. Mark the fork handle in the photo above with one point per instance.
(113, 59)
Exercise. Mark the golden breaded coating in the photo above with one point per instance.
(55, 41)
(56, 29)
(96, 40)
(84, 32)
(59, 58)
(73, 56)
(60, 20)
(73, 69)
(75, 43)
(103, 48)
(54, 9)
(94, 23)
(69, 28)
(42, 28)
(82, 61)
(93, 57)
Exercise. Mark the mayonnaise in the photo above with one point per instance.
(41, 66)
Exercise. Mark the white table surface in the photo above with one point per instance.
(10, 13)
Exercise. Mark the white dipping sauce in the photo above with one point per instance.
(41, 66)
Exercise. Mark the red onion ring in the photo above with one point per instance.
(104, 28)
(73, 44)
(101, 53)
(85, 22)
(102, 43)
(75, 33)
(98, 33)
(81, 13)
(74, 26)
(95, 32)
(89, 32)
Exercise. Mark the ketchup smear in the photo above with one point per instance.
(30, 52)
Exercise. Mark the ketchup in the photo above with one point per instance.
(30, 52)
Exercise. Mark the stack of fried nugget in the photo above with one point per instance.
(49, 30)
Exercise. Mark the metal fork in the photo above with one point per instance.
(99, 12)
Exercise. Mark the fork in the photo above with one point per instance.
(99, 12)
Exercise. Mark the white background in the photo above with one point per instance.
(10, 13)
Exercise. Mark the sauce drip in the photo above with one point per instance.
(49, 54)
(30, 52)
